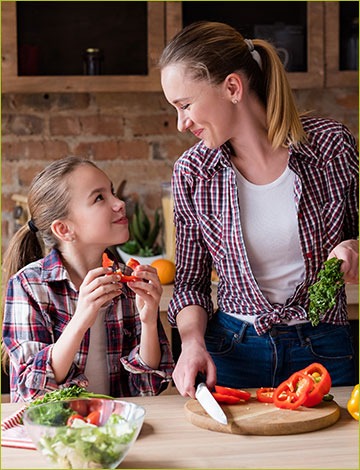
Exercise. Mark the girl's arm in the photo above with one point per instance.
(96, 290)
(148, 294)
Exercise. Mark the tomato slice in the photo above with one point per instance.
(228, 399)
(93, 418)
(265, 394)
(293, 392)
(132, 263)
(234, 392)
(71, 419)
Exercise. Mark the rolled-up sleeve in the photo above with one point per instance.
(193, 260)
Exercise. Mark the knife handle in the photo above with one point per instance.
(200, 378)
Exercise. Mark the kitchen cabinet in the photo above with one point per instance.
(341, 41)
(16, 80)
(321, 23)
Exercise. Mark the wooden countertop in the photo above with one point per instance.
(352, 293)
(168, 440)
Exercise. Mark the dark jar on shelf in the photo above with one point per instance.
(92, 59)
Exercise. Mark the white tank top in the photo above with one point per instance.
(270, 229)
(96, 369)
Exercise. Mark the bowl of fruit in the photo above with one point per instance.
(84, 432)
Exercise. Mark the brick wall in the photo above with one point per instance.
(131, 136)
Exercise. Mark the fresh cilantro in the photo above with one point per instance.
(323, 293)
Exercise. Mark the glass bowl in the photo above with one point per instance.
(99, 436)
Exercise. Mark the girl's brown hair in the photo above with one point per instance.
(48, 200)
(211, 51)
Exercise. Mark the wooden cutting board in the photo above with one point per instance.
(263, 419)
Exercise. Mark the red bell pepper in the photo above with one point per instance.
(234, 392)
(293, 392)
(265, 394)
(107, 262)
(228, 399)
(321, 383)
(132, 263)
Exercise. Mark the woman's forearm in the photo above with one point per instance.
(191, 323)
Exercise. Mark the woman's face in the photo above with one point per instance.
(203, 109)
(97, 216)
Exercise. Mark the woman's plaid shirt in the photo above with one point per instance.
(208, 228)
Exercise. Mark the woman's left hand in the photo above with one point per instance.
(348, 251)
(148, 294)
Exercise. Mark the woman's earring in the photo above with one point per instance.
(235, 101)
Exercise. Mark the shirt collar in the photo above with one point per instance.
(53, 267)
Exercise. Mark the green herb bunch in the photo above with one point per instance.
(323, 293)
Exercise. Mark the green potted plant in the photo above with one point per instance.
(143, 241)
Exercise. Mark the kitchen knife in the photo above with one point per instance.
(208, 402)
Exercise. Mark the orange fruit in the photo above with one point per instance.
(165, 269)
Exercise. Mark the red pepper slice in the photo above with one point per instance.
(293, 392)
(228, 399)
(234, 392)
(321, 383)
(125, 278)
(132, 263)
(265, 394)
(107, 263)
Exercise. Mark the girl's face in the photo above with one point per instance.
(96, 215)
(203, 109)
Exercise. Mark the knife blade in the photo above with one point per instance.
(208, 402)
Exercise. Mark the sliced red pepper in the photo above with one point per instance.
(235, 392)
(228, 399)
(126, 278)
(293, 392)
(107, 263)
(132, 263)
(321, 383)
(265, 394)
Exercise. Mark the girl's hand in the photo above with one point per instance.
(99, 287)
(148, 294)
(348, 251)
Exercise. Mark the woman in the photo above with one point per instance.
(67, 320)
(265, 197)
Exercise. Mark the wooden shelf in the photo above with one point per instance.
(13, 83)
(164, 20)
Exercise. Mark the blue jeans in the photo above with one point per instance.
(246, 360)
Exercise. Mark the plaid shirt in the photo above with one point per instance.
(40, 302)
(208, 228)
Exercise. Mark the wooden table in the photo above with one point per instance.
(168, 440)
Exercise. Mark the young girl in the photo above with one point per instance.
(67, 320)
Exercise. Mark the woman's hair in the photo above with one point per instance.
(211, 51)
(48, 200)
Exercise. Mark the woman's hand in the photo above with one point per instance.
(148, 293)
(99, 287)
(194, 358)
(191, 322)
(348, 251)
